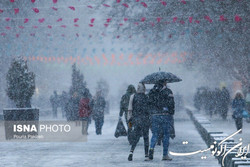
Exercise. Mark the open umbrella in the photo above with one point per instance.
(160, 76)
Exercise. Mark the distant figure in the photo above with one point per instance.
(238, 106)
(209, 102)
(124, 108)
(54, 102)
(218, 101)
(138, 115)
(224, 102)
(178, 102)
(84, 112)
(248, 100)
(98, 112)
(198, 99)
(205, 99)
(248, 105)
(107, 107)
(63, 102)
(72, 108)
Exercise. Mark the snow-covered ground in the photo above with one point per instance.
(106, 150)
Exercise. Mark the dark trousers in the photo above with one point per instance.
(54, 109)
(224, 111)
(140, 127)
(98, 125)
(85, 125)
(238, 123)
(63, 111)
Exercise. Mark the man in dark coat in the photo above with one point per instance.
(162, 108)
(197, 99)
(54, 102)
(138, 115)
(224, 102)
(98, 112)
(72, 108)
(63, 101)
(124, 108)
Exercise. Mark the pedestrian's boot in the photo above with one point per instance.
(130, 156)
(146, 158)
(151, 154)
(166, 158)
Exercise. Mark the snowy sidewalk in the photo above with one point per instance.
(106, 150)
(228, 126)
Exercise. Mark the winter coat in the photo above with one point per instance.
(99, 105)
(84, 108)
(125, 101)
(161, 100)
(63, 100)
(248, 98)
(197, 100)
(225, 97)
(72, 109)
(54, 101)
(138, 106)
(238, 104)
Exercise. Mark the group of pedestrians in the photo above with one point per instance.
(82, 107)
(59, 101)
(154, 110)
(215, 101)
(219, 101)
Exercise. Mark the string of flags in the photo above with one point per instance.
(47, 22)
(107, 5)
(101, 37)
(119, 60)
(237, 18)
(191, 20)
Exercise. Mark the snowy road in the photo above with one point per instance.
(106, 150)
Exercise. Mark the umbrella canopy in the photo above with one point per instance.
(160, 76)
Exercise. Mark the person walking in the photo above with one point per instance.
(72, 108)
(54, 103)
(138, 116)
(248, 105)
(84, 112)
(197, 100)
(63, 102)
(162, 108)
(224, 102)
(238, 106)
(124, 108)
(248, 100)
(98, 112)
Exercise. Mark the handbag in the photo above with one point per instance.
(245, 114)
(120, 129)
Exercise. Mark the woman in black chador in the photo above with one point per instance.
(138, 116)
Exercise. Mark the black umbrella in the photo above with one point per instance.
(160, 76)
